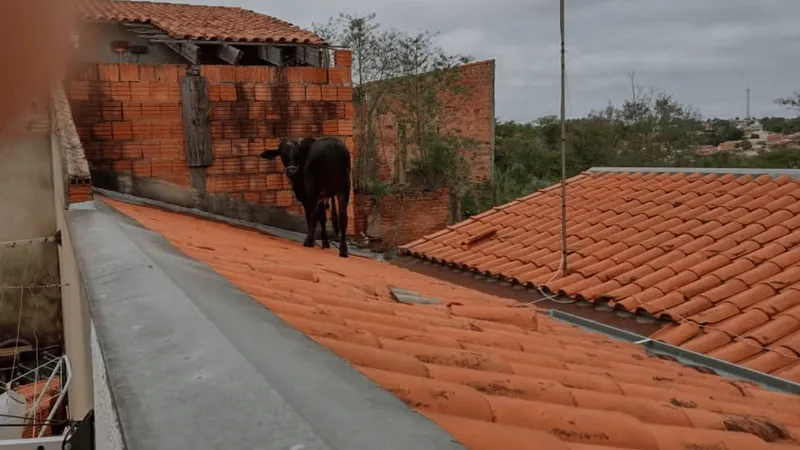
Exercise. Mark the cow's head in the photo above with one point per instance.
(292, 153)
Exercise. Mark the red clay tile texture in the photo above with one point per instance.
(496, 375)
(198, 22)
(718, 255)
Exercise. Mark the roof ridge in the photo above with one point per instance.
(794, 173)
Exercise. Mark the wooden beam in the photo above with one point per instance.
(188, 51)
(195, 113)
(271, 54)
(229, 54)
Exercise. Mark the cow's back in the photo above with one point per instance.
(328, 165)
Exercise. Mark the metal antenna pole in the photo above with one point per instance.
(563, 151)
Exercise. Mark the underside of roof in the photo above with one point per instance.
(717, 253)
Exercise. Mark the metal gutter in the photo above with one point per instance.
(794, 173)
(683, 355)
(266, 229)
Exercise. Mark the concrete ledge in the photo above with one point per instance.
(192, 362)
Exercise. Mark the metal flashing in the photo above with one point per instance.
(687, 357)
(794, 173)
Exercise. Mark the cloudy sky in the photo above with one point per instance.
(704, 52)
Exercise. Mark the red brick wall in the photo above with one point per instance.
(404, 217)
(407, 217)
(473, 116)
(129, 119)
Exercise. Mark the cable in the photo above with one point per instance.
(734, 335)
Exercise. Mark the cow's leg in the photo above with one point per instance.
(322, 218)
(344, 199)
(311, 223)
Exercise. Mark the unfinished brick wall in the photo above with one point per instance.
(473, 117)
(252, 107)
(128, 117)
(129, 120)
(401, 218)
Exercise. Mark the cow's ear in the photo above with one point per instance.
(270, 154)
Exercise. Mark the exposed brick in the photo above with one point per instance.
(262, 93)
(161, 130)
(283, 198)
(131, 111)
(241, 183)
(122, 165)
(211, 73)
(120, 91)
(240, 147)
(158, 91)
(141, 130)
(170, 111)
(81, 193)
(111, 111)
(222, 148)
(142, 168)
(108, 72)
(151, 111)
(151, 149)
(404, 217)
(246, 92)
(129, 72)
(329, 92)
(227, 92)
(297, 93)
(274, 182)
(227, 74)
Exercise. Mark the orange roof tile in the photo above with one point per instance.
(494, 374)
(718, 254)
(198, 22)
(31, 392)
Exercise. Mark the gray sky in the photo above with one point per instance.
(704, 52)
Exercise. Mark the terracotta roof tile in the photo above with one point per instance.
(496, 375)
(702, 248)
(197, 22)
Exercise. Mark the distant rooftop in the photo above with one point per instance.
(716, 251)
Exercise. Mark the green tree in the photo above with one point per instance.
(373, 61)
(791, 102)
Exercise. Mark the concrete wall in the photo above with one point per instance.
(29, 273)
(72, 187)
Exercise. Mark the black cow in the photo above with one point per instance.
(318, 169)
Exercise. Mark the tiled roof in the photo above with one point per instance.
(198, 22)
(493, 373)
(719, 253)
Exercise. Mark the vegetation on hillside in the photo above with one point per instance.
(650, 130)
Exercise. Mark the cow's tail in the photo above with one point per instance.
(334, 217)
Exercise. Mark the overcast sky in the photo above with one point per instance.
(704, 52)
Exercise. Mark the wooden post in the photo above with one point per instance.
(195, 112)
